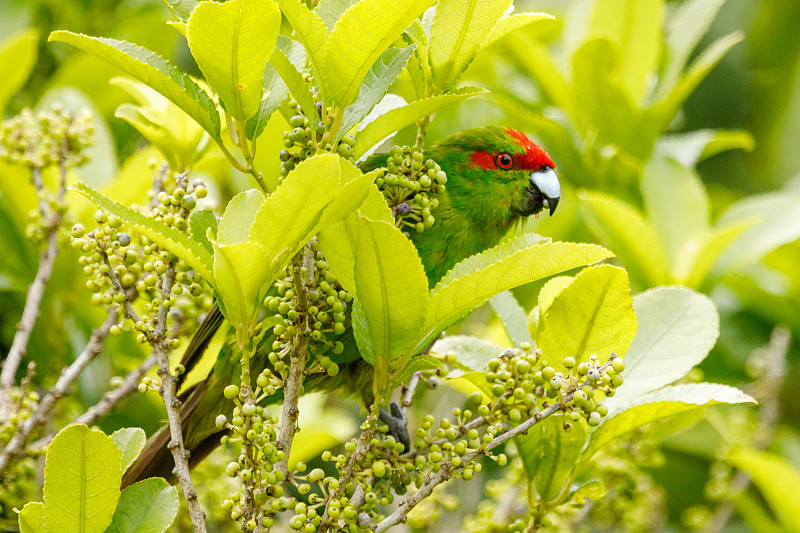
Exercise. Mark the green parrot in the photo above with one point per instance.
(495, 177)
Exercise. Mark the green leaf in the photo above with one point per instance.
(666, 108)
(240, 277)
(487, 276)
(682, 220)
(417, 363)
(635, 25)
(661, 404)
(624, 230)
(776, 479)
(400, 117)
(362, 335)
(31, 518)
(392, 289)
(677, 329)
(592, 315)
(199, 224)
(550, 290)
(473, 353)
(361, 35)
(130, 442)
(149, 506)
(513, 317)
(511, 24)
(459, 29)
(17, 58)
(778, 222)
(684, 29)
(82, 475)
(331, 10)
(234, 227)
(231, 43)
(338, 241)
(155, 71)
(275, 89)
(310, 30)
(688, 149)
(294, 80)
(710, 248)
(186, 248)
(377, 81)
(549, 455)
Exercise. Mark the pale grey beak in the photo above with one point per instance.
(547, 183)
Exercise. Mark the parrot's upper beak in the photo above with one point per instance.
(546, 183)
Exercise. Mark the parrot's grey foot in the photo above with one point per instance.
(398, 424)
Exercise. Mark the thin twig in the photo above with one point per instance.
(35, 294)
(400, 515)
(109, 400)
(16, 447)
(161, 349)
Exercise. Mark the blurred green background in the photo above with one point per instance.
(753, 93)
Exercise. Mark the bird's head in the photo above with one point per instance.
(498, 174)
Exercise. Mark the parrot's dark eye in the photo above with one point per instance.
(504, 161)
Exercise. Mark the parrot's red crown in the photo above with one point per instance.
(532, 159)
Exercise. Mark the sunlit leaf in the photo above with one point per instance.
(148, 506)
(31, 518)
(473, 353)
(18, 56)
(310, 30)
(130, 442)
(513, 317)
(239, 216)
(511, 24)
(688, 149)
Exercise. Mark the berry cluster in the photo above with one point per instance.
(327, 303)
(304, 140)
(410, 186)
(46, 138)
(124, 266)
(524, 384)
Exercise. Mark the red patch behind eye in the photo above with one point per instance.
(534, 157)
(483, 160)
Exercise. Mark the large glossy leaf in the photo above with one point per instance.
(169, 238)
(148, 506)
(400, 117)
(632, 238)
(549, 455)
(241, 276)
(661, 404)
(338, 241)
(294, 81)
(231, 43)
(487, 275)
(331, 10)
(677, 206)
(130, 442)
(593, 315)
(150, 68)
(513, 317)
(18, 56)
(377, 81)
(635, 25)
(688, 149)
(459, 29)
(361, 35)
(310, 30)
(199, 224)
(512, 23)
(677, 329)
(240, 213)
(777, 480)
(31, 518)
(685, 27)
(82, 475)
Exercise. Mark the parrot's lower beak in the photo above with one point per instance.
(545, 190)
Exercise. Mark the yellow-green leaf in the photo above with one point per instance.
(82, 475)
(462, 294)
(511, 24)
(310, 30)
(241, 274)
(31, 518)
(17, 58)
(359, 38)
(231, 43)
(148, 506)
(710, 248)
(460, 27)
(592, 315)
(240, 213)
(624, 230)
(776, 479)
(155, 71)
(550, 290)
(130, 442)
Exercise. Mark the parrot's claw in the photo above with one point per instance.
(398, 424)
